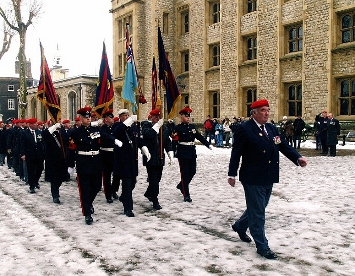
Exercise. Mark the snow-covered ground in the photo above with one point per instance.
(310, 224)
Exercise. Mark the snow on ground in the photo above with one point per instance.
(309, 224)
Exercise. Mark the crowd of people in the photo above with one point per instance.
(103, 152)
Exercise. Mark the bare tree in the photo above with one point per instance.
(6, 42)
(14, 20)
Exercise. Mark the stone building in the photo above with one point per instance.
(299, 54)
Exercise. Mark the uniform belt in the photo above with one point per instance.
(92, 152)
(187, 143)
(107, 149)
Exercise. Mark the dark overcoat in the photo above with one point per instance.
(333, 130)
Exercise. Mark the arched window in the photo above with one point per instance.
(215, 104)
(295, 38)
(250, 98)
(348, 28)
(72, 105)
(33, 108)
(252, 48)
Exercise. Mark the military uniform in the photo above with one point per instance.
(156, 147)
(86, 141)
(184, 145)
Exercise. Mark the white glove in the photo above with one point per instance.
(216, 132)
(146, 152)
(171, 158)
(97, 123)
(128, 122)
(118, 143)
(134, 118)
(70, 170)
(54, 128)
(158, 125)
(210, 147)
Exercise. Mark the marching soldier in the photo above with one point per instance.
(151, 137)
(32, 151)
(56, 141)
(126, 157)
(184, 142)
(86, 141)
(107, 145)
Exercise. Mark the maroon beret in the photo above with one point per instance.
(185, 111)
(108, 113)
(155, 112)
(85, 111)
(77, 119)
(32, 121)
(259, 103)
(66, 121)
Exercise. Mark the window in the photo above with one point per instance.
(215, 100)
(165, 23)
(120, 29)
(10, 88)
(250, 98)
(215, 55)
(120, 64)
(294, 99)
(72, 105)
(185, 22)
(11, 104)
(252, 5)
(348, 28)
(185, 61)
(251, 48)
(347, 97)
(215, 12)
(295, 38)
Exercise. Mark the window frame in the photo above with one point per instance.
(253, 92)
(185, 24)
(297, 39)
(252, 6)
(215, 15)
(11, 104)
(215, 57)
(185, 61)
(296, 101)
(253, 48)
(215, 103)
(350, 97)
(350, 29)
(165, 26)
(11, 88)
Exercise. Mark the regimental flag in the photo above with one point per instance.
(154, 84)
(104, 89)
(130, 85)
(46, 92)
(168, 79)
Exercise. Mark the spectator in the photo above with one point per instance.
(208, 126)
(227, 131)
(298, 125)
(219, 133)
(333, 130)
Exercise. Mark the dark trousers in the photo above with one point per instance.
(106, 180)
(34, 170)
(55, 185)
(324, 145)
(154, 176)
(256, 197)
(9, 160)
(332, 150)
(128, 184)
(187, 171)
(297, 140)
(89, 185)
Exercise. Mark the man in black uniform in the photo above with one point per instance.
(32, 151)
(126, 157)
(156, 145)
(86, 141)
(107, 145)
(56, 141)
(184, 142)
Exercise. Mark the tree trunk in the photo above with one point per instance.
(22, 62)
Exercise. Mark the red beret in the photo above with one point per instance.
(65, 121)
(185, 111)
(155, 112)
(39, 123)
(32, 121)
(115, 119)
(107, 113)
(85, 111)
(77, 119)
(22, 121)
(259, 103)
(93, 114)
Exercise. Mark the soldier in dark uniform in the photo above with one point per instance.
(15, 146)
(56, 142)
(32, 151)
(156, 145)
(126, 156)
(322, 132)
(86, 141)
(184, 142)
(107, 145)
